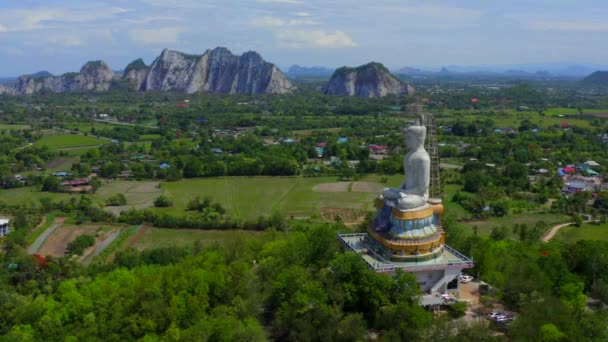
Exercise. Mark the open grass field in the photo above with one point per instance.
(251, 197)
(572, 111)
(161, 237)
(588, 231)
(29, 195)
(138, 194)
(87, 126)
(512, 120)
(62, 141)
(4, 128)
(64, 163)
(307, 132)
(149, 137)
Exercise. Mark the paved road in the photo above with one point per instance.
(34, 247)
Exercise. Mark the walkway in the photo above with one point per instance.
(34, 247)
(553, 231)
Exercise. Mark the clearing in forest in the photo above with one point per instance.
(163, 237)
(56, 244)
(61, 141)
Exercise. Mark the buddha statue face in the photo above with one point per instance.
(414, 136)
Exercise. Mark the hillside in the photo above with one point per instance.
(598, 78)
(367, 81)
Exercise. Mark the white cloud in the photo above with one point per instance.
(433, 16)
(67, 41)
(16, 20)
(567, 26)
(435, 11)
(302, 14)
(165, 35)
(147, 20)
(179, 4)
(268, 21)
(315, 39)
(290, 2)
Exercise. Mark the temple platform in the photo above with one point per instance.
(449, 259)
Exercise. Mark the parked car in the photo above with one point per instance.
(495, 314)
(465, 278)
(503, 319)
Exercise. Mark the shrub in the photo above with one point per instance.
(116, 200)
(162, 202)
(79, 244)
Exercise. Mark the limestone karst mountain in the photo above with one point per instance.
(215, 71)
(93, 76)
(369, 80)
(598, 78)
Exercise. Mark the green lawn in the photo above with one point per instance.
(162, 237)
(60, 141)
(588, 231)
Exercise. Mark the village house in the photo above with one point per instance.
(78, 185)
(4, 228)
(378, 149)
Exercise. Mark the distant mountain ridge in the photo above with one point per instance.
(297, 71)
(215, 71)
(367, 81)
(598, 78)
(42, 74)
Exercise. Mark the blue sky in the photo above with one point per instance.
(61, 35)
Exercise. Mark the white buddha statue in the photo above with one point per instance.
(414, 192)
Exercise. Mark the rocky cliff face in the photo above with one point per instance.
(369, 80)
(135, 73)
(216, 71)
(93, 76)
(5, 90)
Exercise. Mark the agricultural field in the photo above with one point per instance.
(56, 244)
(307, 132)
(588, 231)
(4, 128)
(65, 141)
(87, 126)
(162, 237)
(485, 227)
(573, 111)
(64, 163)
(149, 137)
(512, 119)
(251, 197)
(29, 196)
(138, 194)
